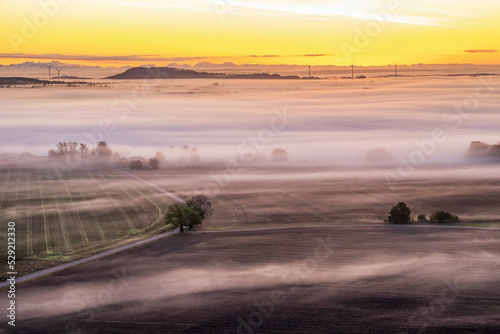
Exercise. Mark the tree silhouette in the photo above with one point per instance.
(180, 215)
(195, 157)
(103, 150)
(154, 163)
(84, 150)
(203, 203)
(441, 216)
(135, 164)
(400, 214)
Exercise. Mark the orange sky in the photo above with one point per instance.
(337, 32)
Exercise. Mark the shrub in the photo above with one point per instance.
(154, 163)
(135, 164)
(421, 218)
(442, 216)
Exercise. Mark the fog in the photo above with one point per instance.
(355, 148)
(374, 270)
(320, 120)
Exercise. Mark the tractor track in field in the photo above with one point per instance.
(152, 185)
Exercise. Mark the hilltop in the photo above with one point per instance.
(178, 73)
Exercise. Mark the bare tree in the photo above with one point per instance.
(184, 154)
(84, 150)
(171, 150)
(72, 148)
(195, 157)
(61, 148)
(103, 149)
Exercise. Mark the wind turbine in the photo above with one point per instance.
(309, 71)
(352, 72)
(396, 69)
(58, 73)
(49, 69)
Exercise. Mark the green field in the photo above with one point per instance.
(86, 211)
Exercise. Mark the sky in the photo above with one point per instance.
(312, 32)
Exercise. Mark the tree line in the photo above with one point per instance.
(102, 154)
(81, 150)
(401, 214)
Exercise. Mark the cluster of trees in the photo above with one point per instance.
(277, 155)
(187, 155)
(172, 155)
(480, 150)
(80, 150)
(401, 214)
(188, 214)
(139, 164)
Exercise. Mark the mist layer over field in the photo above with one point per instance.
(316, 120)
(355, 148)
(331, 279)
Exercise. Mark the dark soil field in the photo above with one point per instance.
(343, 279)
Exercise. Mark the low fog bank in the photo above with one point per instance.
(379, 120)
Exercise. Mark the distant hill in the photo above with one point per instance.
(17, 81)
(25, 81)
(178, 73)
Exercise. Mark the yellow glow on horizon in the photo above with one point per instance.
(159, 32)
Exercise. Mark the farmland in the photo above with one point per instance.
(85, 211)
(93, 209)
(295, 194)
(381, 279)
(208, 279)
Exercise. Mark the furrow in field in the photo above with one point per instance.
(75, 215)
(119, 216)
(46, 231)
(131, 211)
(19, 210)
(5, 181)
(63, 223)
(130, 190)
(92, 216)
(103, 217)
(29, 217)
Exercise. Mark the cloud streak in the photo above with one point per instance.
(310, 10)
(481, 51)
(97, 57)
(137, 58)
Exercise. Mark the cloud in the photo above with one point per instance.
(481, 51)
(265, 56)
(138, 58)
(317, 55)
(290, 56)
(96, 57)
(312, 9)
